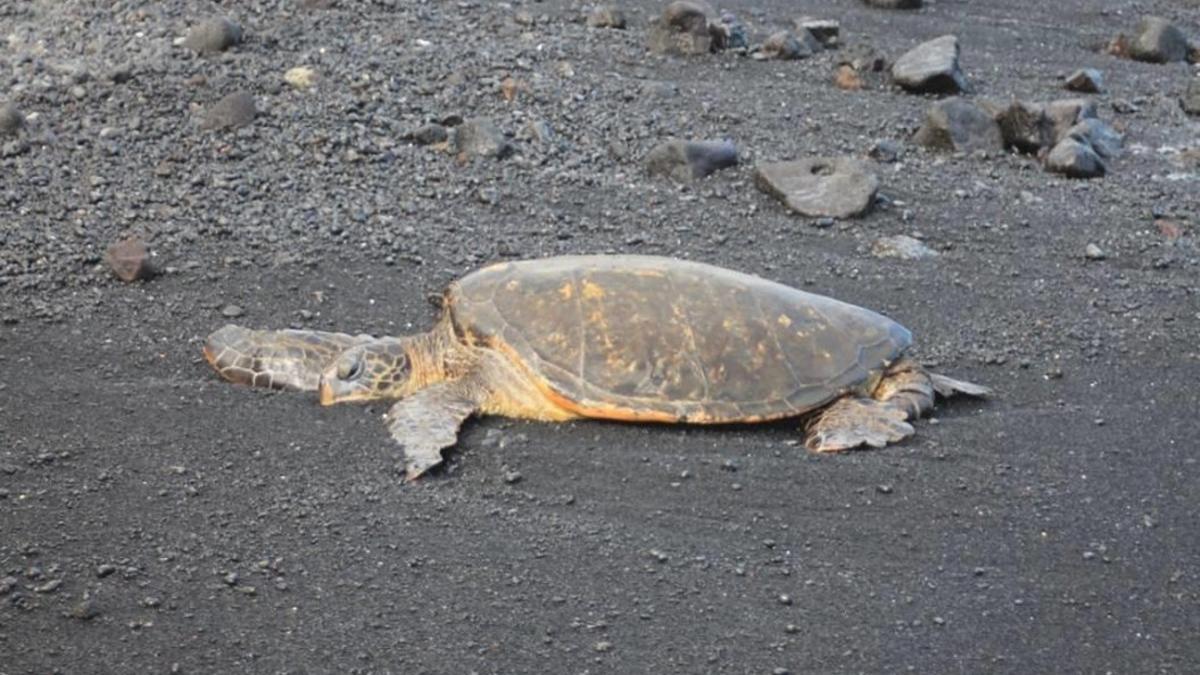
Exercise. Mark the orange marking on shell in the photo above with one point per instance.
(592, 291)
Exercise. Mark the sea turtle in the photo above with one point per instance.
(618, 337)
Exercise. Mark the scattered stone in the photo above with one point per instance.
(903, 247)
(685, 161)
(538, 130)
(682, 30)
(931, 67)
(1075, 159)
(1105, 140)
(1086, 80)
(129, 260)
(234, 111)
(1066, 113)
(895, 4)
(480, 137)
(825, 31)
(606, 17)
(886, 151)
(1094, 252)
(602, 646)
(232, 311)
(11, 120)
(105, 569)
(214, 35)
(1024, 126)
(7, 584)
(957, 124)
(1190, 100)
(819, 186)
(48, 587)
(729, 33)
(428, 134)
(857, 67)
(301, 77)
(784, 46)
(1157, 40)
(85, 610)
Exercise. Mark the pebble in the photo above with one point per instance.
(857, 66)
(428, 134)
(903, 247)
(606, 16)
(48, 587)
(1105, 140)
(958, 125)
(827, 32)
(685, 161)
(129, 260)
(213, 35)
(85, 610)
(1075, 159)
(784, 46)
(105, 570)
(232, 311)
(7, 584)
(895, 4)
(480, 137)
(1191, 97)
(11, 120)
(1086, 80)
(886, 151)
(931, 67)
(1024, 126)
(602, 646)
(835, 187)
(1066, 113)
(234, 111)
(512, 477)
(300, 77)
(1094, 252)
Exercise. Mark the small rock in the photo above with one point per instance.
(7, 584)
(428, 134)
(11, 120)
(885, 489)
(513, 477)
(1157, 40)
(903, 247)
(819, 186)
(728, 33)
(1066, 113)
(85, 610)
(784, 46)
(886, 151)
(931, 67)
(606, 17)
(825, 31)
(686, 161)
(895, 4)
(681, 30)
(1105, 140)
(785, 599)
(479, 137)
(214, 35)
(234, 111)
(857, 66)
(539, 130)
(602, 646)
(232, 311)
(1086, 80)
(1190, 100)
(129, 260)
(48, 587)
(1094, 252)
(959, 125)
(1024, 126)
(105, 569)
(300, 77)
(1075, 159)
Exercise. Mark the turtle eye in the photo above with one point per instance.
(349, 369)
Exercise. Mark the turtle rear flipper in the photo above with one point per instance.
(277, 359)
(852, 421)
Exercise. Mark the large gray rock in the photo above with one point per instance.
(213, 35)
(820, 186)
(1075, 159)
(686, 161)
(931, 67)
(1066, 113)
(1191, 97)
(1105, 141)
(681, 30)
(1024, 126)
(1158, 41)
(957, 124)
(232, 112)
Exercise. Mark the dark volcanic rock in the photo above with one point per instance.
(1103, 139)
(1086, 80)
(480, 137)
(11, 120)
(1063, 114)
(690, 160)
(819, 186)
(1075, 159)
(129, 260)
(1157, 40)
(606, 17)
(785, 46)
(235, 110)
(214, 35)
(1191, 97)
(428, 134)
(958, 124)
(681, 30)
(1024, 126)
(859, 66)
(931, 67)
(825, 31)
(895, 4)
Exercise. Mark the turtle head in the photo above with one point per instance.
(378, 369)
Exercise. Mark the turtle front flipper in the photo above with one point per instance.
(278, 359)
(852, 421)
(427, 421)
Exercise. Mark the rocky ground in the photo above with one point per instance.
(154, 519)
